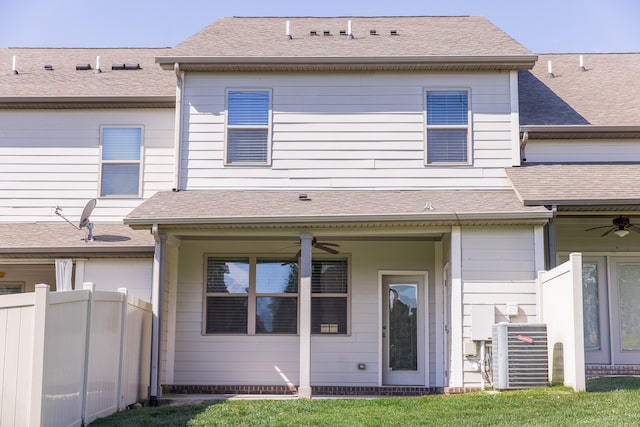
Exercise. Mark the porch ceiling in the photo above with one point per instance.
(54, 239)
(579, 186)
(333, 208)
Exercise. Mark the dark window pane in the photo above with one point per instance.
(329, 276)
(226, 315)
(247, 145)
(275, 276)
(329, 315)
(278, 315)
(446, 145)
(120, 179)
(229, 275)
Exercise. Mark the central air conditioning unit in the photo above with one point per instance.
(520, 358)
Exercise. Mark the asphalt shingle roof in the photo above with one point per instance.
(606, 94)
(577, 184)
(285, 206)
(428, 38)
(44, 238)
(63, 80)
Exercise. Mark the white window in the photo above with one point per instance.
(248, 127)
(259, 295)
(10, 288)
(121, 161)
(447, 123)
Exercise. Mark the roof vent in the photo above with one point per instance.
(289, 30)
(313, 33)
(326, 33)
(14, 66)
(303, 197)
(83, 67)
(343, 32)
(126, 67)
(373, 33)
(394, 33)
(550, 70)
(48, 67)
(98, 65)
(582, 67)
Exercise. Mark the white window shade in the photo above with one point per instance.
(121, 161)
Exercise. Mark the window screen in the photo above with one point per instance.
(248, 126)
(121, 161)
(447, 126)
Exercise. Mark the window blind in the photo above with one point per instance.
(447, 126)
(248, 126)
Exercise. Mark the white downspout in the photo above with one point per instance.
(156, 307)
(178, 127)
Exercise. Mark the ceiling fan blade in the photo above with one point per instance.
(328, 244)
(634, 228)
(326, 248)
(607, 232)
(595, 228)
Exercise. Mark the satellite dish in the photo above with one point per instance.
(86, 212)
(84, 218)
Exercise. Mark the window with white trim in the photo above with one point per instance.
(447, 127)
(248, 127)
(257, 295)
(120, 161)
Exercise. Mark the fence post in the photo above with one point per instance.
(39, 334)
(123, 332)
(91, 287)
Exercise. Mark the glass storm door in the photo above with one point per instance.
(403, 330)
(595, 311)
(625, 296)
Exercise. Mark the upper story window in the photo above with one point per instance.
(248, 126)
(121, 161)
(259, 295)
(448, 130)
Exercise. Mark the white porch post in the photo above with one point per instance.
(156, 321)
(456, 377)
(304, 388)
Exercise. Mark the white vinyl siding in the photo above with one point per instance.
(591, 150)
(51, 158)
(346, 131)
(262, 359)
(447, 123)
(248, 126)
(121, 161)
(498, 268)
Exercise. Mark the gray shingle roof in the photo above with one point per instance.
(416, 37)
(577, 184)
(49, 238)
(224, 206)
(606, 94)
(64, 81)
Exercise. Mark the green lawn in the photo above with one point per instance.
(608, 402)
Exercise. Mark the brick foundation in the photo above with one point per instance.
(604, 370)
(316, 390)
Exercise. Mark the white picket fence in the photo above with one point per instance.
(67, 358)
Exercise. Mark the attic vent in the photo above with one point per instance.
(48, 67)
(326, 33)
(126, 67)
(83, 67)
(373, 32)
(394, 33)
(343, 32)
(313, 33)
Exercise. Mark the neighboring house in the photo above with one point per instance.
(77, 125)
(324, 203)
(580, 131)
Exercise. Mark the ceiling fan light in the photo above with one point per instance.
(621, 233)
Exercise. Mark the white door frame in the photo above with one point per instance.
(424, 300)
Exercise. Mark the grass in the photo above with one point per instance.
(607, 402)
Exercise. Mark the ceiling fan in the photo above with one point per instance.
(327, 247)
(620, 227)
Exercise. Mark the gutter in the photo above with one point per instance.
(450, 216)
(431, 62)
(581, 131)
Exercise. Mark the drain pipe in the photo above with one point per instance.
(156, 319)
